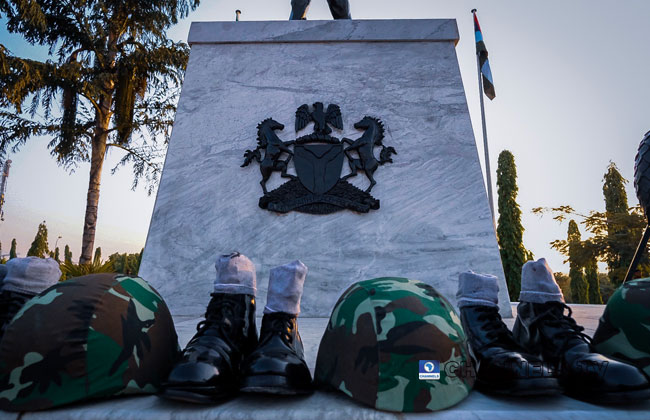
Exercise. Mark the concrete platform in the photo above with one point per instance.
(337, 406)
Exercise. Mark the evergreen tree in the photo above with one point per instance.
(12, 251)
(67, 255)
(115, 73)
(125, 263)
(509, 229)
(56, 255)
(39, 247)
(98, 256)
(564, 281)
(591, 275)
(579, 286)
(614, 190)
(616, 207)
(137, 267)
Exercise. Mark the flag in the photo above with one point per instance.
(484, 64)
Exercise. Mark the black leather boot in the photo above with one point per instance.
(10, 304)
(277, 366)
(544, 329)
(502, 365)
(210, 366)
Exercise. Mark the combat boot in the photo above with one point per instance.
(277, 366)
(10, 304)
(210, 366)
(502, 365)
(542, 328)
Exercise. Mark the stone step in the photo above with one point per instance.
(322, 405)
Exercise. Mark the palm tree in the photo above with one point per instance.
(114, 73)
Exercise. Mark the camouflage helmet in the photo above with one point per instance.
(89, 337)
(397, 345)
(624, 329)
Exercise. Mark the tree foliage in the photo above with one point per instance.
(509, 228)
(98, 255)
(603, 246)
(607, 289)
(614, 190)
(112, 82)
(579, 286)
(591, 276)
(615, 206)
(615, 233)
(70, 269)
(39, 247)
(564, 282)
(12, 250)
(67, 254)
(126, 263)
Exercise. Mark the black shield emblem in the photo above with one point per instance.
(318, 165)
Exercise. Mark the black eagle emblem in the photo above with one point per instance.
(320, 117)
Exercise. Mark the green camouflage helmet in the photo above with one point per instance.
(387, 340)
(89, 337)
(624, 329)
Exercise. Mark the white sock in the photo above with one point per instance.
(477, 290)
(538, 284)
(235, 275)
(285, 288)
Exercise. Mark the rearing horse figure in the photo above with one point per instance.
(364, 146)
(273, 148)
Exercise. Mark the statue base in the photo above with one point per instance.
(434, 220)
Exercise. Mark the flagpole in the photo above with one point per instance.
(488, 172)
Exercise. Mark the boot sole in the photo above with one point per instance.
(273, 384)
(196, 395)
(522, 387)
(622, 397)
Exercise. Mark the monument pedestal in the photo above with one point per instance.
(434, 220)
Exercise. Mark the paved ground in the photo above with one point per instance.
(337, 406)
(311, 329)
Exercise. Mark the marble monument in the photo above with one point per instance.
(433, 221)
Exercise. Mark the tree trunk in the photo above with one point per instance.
(98, 152)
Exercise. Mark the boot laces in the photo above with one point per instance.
(497, 331)
(219, 314)
(282, 325)
(565, 326)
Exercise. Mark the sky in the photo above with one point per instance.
(572, 89)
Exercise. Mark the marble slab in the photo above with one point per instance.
(398, 30)
(336, 406)
(434, 221)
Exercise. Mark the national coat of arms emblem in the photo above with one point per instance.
(318, 158)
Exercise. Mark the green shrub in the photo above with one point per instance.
(70, 270)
